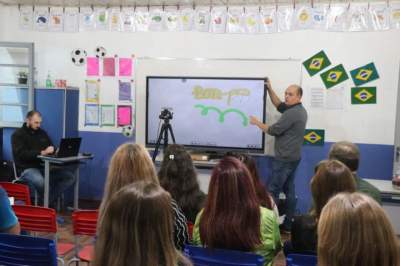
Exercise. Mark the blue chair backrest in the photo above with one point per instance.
(26, 250)
(295, 259)
(221, 257)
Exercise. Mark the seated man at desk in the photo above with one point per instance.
(28, 142)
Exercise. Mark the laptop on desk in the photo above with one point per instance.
(69, 147)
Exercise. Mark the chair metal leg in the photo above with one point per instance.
(61, 261)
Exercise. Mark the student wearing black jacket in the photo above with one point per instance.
(28, 142)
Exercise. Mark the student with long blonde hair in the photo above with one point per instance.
(354, 230)
(136, 228)
(131, 163)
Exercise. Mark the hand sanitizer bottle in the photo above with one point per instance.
(48, 81)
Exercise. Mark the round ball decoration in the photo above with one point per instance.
(127, 131)
(100, 52)
(78, 57)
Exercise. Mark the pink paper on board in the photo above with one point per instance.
(92, 66)
(125, 66)
(124, 115)
(109, 66)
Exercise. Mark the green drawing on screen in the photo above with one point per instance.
(221, 118)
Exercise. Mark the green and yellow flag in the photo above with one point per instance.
(316, 63)
(363, 95)
(364, 74)
(314, 137)
(334, 76)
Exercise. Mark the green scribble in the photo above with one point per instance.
(221, 115)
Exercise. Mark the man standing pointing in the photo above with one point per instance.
(289, 136)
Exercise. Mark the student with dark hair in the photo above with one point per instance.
(262, 192)
(233, 217)
(354, 230)
(332, 177)
(131, 163)
(349, 154)
(28, 142)
(178, 176)
(136, 228)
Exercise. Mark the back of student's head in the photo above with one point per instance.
(129, 163)
(261, 191)
(354, 230)
(231, 217)
(332, 177)
(136, 228)
(178, 176)
(346, 152)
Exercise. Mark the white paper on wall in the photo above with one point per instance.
(101, 18)
(395, 15)
(317, 98)
(337, 17)
(302, 17)
(41, 18)
(357, 17)
(128, 19)
(202, 18)
(284, 15)
(319, 16)
(56, 19)
(269, 21)
(334, 99)
(235, 20)
(252, 19)
(186, 17)
(115, 19)
(71, 19)
(218, 19)
(171, 18)
(142, 18)
(86, 19)
(156, 18)
(26, 17)
(379, 16)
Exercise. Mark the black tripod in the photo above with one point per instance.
(166, 126)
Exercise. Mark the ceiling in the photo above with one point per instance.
(109, 3)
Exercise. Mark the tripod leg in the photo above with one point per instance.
(162, 132)
(169, 127)
(165, 137)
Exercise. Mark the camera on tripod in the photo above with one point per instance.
(166, 114)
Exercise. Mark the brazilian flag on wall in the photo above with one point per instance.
(316, 63)
(363, 95)
(334, 76)
(364, 74)
(314, 137)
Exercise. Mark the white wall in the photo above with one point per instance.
(362, 124)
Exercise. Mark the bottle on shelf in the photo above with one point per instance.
(49, 84)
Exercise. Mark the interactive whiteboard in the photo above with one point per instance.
(208, 112)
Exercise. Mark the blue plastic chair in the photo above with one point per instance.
(221, 257)
(295, 259)
(26, 250)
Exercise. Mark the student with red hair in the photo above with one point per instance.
(233, 217)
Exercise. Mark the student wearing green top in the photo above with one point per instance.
(233, 218)
(349, 154)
